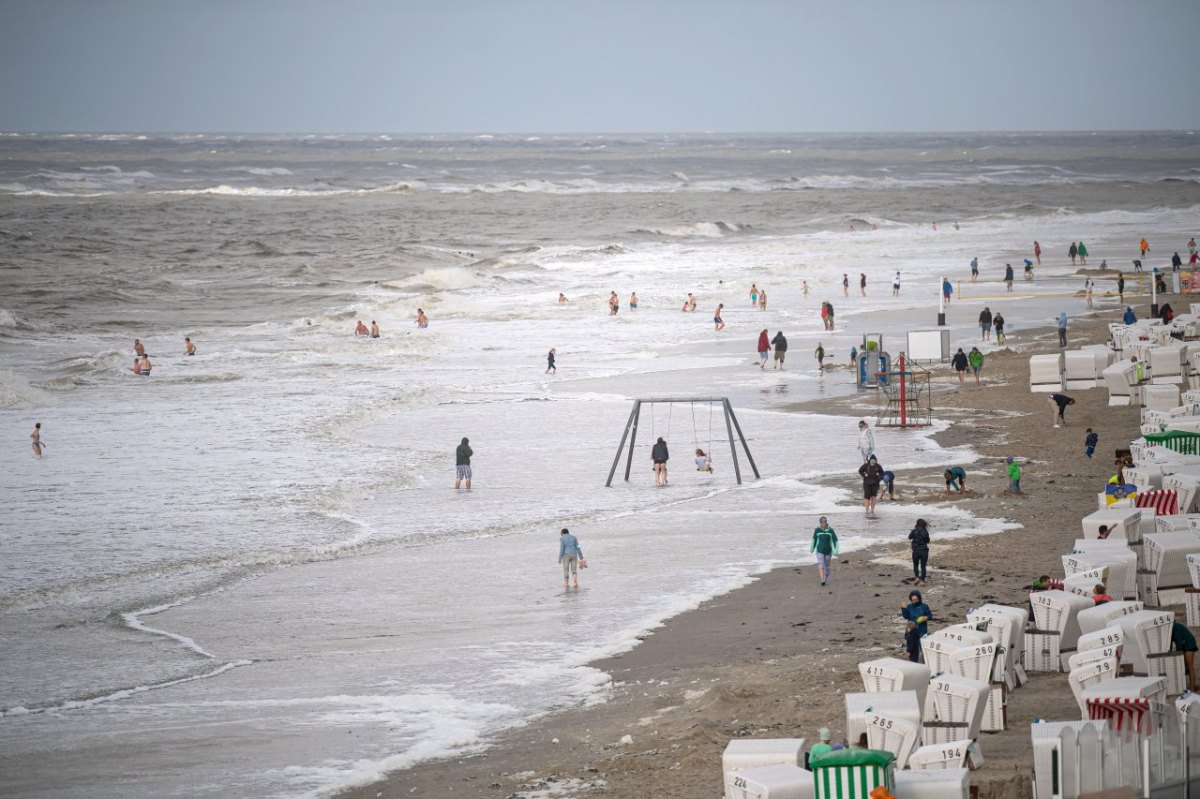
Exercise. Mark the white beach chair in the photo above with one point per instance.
(939, 784)
(1098, 618)
(1058, 611)
(1147, 632)
(780, 781)
(959, 700)
(1090, 674)
(860, 707)
(1046, 373)
(894, 674)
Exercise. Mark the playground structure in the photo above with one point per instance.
(731, 423)
(872, 364)
(908, 401)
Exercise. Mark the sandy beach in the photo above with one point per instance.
(774, 658)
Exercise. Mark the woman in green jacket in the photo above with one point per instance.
(825, 545)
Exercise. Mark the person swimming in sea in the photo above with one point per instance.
(374, 329)
(142, 366)
(360, 329)
(188, 347)
(422, 319)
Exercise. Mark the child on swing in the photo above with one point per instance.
(703, 462)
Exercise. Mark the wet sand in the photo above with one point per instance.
(774, 658)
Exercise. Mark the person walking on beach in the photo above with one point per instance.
(845, 285)
(462, 463)
(975, 358)
(1191, 245)
(825, 546)
(917, 612)
(872, 475)
(956, 479)
(139, 350)
(1061, 401)
(1008, 276)
(1037, 253)
(804, 287)
(360, 329)
(959, 362)
(998, 323)
(718, 322)
(866, 441)
(753, 294)
(1089, 442)
(896, 285)
(1129, 317)
(35, 438)
(1073, 251)
(1176, 262)
(1088, 289)
(188, 347)
(764, 349)
(570, 556)
(974, 270)
(551, 369)
(853, 357)
(985, 323)
(762, 300)
(819, 354)
(919, 537)
(1062, 329)
(1081, 250)
(780, 344)
(1144, 246)
(660, 455)
(1121, 286)
(947, 289)
(1014, 475)
(829, 314)
(862, 283)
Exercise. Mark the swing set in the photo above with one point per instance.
(731, 423)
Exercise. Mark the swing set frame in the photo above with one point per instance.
(731, 423)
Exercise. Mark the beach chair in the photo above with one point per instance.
(1166, 571)
(939, 784)
(862, 707)
(1120, 557)
(1121, 381)
(780, 781)
(962, 753)
(1088, 675)
(894, 674)
(958, 700)
(1046, 373)
(1147, 632)
(1118, 521)
(744, 753)
(1099, 617)
(1007, 626)
(1058, 611)
(1168, 365)
(853, 773)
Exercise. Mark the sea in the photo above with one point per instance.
(250, 574)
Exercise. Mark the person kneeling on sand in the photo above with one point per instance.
(956, 479)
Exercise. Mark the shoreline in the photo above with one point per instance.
(772, 659)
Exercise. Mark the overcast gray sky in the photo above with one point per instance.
(608, 65)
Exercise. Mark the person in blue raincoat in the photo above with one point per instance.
(917, 612)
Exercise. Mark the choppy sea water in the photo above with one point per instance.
(249, 574)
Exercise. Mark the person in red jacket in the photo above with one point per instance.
(764, 349)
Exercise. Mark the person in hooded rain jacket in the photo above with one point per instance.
(462, 463)
(825, 546)
(917, 612)
(919, 536)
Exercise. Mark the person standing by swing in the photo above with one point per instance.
(660, 456)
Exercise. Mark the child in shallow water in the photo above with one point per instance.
(703, 462)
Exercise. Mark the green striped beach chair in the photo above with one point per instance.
(852, 773)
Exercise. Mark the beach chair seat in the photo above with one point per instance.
(779, 781)
(939, 784)
(894, 674)
(1090, 674)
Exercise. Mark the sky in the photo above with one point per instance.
(562, 66)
